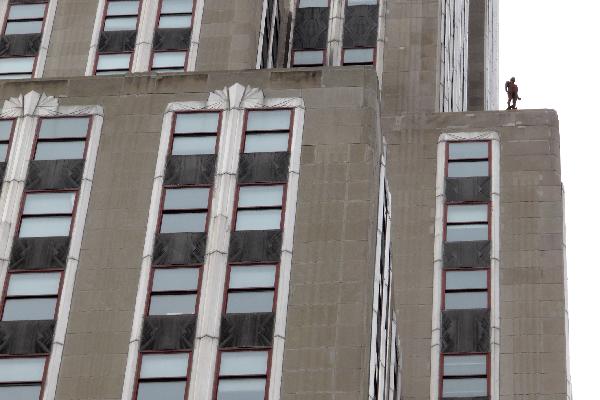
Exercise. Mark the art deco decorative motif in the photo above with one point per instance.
(247, 330)
(172, 39)
(190, 170)
(54, 174)
(39, 253)
(474, 254)
(179, 248)
(26, 337)
(26, 45)
(360, 26)
(466, 331)
(168, 332)
(117, 41)
(475, 188)
(263, 167)
(311, 27)
(255, 246)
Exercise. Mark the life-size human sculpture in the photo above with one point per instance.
(512, 90)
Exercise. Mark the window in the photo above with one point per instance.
(121, 15)
(113, 64)
(62, 138)
(47, 214)
(184, 210)
(259, 207)
(6, 129)
(468, 159)
(163, 376)
(466, 289)
(25, 19)
(31, 296)
(251, 289)
(21, 377)
(242, 375)
(174, 291)
(315, 54)
(16, 67)
(467, 222)
(175, 14)
(195, 133)
(359, 56)
(267, 131)
(465, 376)
(313, 3)
(169, 61)
(308, 58)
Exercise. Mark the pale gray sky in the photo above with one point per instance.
(550, 46)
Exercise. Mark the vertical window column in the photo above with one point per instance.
(309, 39)
(361, 21)
(267, 52)
(172, 35)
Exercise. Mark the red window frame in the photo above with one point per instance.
(196, 292)
(372, 62)
(282, 207)
(324, 50)
(267, 377)
(24, 216)
(487, 289)
(228, 290)
(42, 383)
(442, 375)
(290, 130)
(43, 19)
(217, 134)
(488, 159)
(187, 210)
(139, 379)
(468, 203)
(85, 139)
(8, 142)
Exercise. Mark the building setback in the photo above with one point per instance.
(263, 200)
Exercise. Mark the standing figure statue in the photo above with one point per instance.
(512, 90)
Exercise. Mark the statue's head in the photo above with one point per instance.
(512, 79)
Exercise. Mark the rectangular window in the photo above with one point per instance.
(466, 289)
(468, 159)
(31, 296)
(313, 3)
(16, 67)
(163, 376)
(47, 214)
(467, 222)
(251, 289)
(6, 129)
(195, 133)
(121, 15)
(267, 131)
(174, 291)
(175, 14)
(308, 58)
(21, 377)
(62, 138)
(359, 56)
(184, 209)
(465, 376)
(259, 207)
(25, 19)
(168, 61)
(242, 375)
(113, 64)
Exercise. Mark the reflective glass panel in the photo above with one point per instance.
(238, 363)
(175, 21)
(32, 284)
(169, 59)
(29, 392)
(5, 128)
(64, 127)
(362, 2)
(457, 280)
(186, 198)
(308, 57)
(18, 76)
(3, 150)
(466, 300)
(164, 365)
(253, 276)
(49, 203)
(172, 304)
(190, 145)
(241, 389)
(467, 213)
(269, 120)
(16, 65)
(176, 6)
(29, 309)
(21, 369)
(313, 3)
(113, 62)
(260, 196)
(45, 226)
(266, 142)
(161, 390)
(465, 365)
(258, 220)
(120, 24)
(466, 233)
(197, 123)
(71, 150)
(250, 302)
(26, 11)
(175, 279)
(122, 8)
(358, 56)
(467, 150)
(183, 222)
(468, 168)
(24, 27)
(467, 387)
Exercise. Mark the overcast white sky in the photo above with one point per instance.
(551, 47)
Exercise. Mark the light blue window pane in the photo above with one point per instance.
(186, 198)
(466, 387)
(164, 365)
(250, 302)
(175, 21)
(172, 304)
(258, 220)
(169, 59)
(308, 57)
(23, 27)
(122, 8)
(313, 3)
(161, 390)
(466, 150)
(266, 142)
(120, 72)
(45, 226)
(120, 24)
(197, 123)
(60, 150)
(362, 2)
(458, 280)
(21, 369)
(465, 365)
(269, 120)
(183, 222)
(239, 363)
(183, 146)
(176, 6)
(241, 389)
(466, 233)
(49, 203)
(466, 300)
(260, 196)
(3, 150)
(64, 127)
(467, 213)
(5, 128)
(468, 168)
(19, 76)
(26, 11)
(113, 62)
(23, 65)
(254, 276)
(166, 279)
(29, 309)
(358, 56)
(33, 284)
(30, 392)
